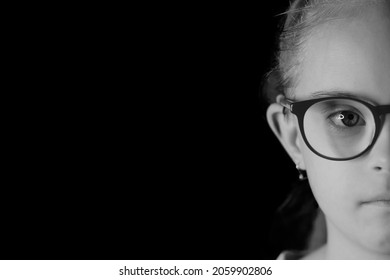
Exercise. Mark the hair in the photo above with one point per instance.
(299, 214)
(301, 19)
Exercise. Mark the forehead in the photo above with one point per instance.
(349, 55)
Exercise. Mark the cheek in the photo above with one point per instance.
(337, 187)
(330, 182)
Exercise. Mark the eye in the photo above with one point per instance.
(347, 118)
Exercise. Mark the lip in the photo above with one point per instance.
(382, 200)
(378, 203)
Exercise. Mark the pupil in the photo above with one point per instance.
(349, 119)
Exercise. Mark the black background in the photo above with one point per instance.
(151, 142)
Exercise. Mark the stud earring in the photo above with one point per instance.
(302, 173)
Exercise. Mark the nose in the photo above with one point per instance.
(380, 153)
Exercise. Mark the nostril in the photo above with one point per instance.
(377, 168)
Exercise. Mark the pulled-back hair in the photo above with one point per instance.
(298, 23)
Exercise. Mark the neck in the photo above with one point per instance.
(340, 247)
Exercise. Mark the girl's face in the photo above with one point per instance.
(352, 56)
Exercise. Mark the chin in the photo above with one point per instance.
(379, 240)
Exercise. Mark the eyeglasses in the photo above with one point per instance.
(338, 128)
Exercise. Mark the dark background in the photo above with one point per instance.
(218, 172)
(151, 142)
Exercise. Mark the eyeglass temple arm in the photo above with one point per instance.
(384, 109)
(282, 100)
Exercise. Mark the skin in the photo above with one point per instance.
(351, 55)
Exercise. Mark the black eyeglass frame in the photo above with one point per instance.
(299, 108)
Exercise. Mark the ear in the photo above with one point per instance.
(286, 129)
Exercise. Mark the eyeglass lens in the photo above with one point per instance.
(339, 128)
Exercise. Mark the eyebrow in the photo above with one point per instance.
(340, 93)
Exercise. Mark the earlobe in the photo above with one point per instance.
(286, 130)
